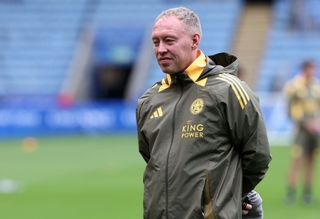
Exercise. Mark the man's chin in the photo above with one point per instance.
(169, 71)
(166, 71)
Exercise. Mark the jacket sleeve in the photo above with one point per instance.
(142, 141)
(248, 132)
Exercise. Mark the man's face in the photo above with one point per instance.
(310, 72)
(174, 48)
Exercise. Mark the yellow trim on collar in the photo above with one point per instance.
(202, 82)
(165, 83)
(195, 69)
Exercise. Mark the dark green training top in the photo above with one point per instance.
(204, 142)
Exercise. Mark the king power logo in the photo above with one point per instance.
(192, 130)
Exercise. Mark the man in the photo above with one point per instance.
(303, 94)
(200, 129)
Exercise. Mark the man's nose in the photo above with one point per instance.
(162, 47)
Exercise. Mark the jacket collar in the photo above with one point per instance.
(196, 68)
(193, 72)
(202, 67)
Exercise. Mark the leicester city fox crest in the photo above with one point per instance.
(197, 106)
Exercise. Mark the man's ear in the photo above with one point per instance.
(195, 41)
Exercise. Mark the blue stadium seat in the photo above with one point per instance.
(38, 37)
(38, 40)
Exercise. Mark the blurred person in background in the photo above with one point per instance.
(303, 95)
(200, 130)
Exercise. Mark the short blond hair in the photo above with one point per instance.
(186, 16)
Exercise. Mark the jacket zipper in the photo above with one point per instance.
(168, 154)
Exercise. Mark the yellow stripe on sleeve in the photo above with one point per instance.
(242, 91)
(235, 91)
(237, 85)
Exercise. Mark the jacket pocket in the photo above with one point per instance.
(207, 204)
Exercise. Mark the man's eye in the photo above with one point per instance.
(170, 40)
(155, 43)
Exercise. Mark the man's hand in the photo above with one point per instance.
(246, 208)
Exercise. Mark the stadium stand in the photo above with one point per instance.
(38, 40)
(37, 43)
(286, 49)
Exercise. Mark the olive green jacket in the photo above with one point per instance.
(204, 142)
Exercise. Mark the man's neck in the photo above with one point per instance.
(196, 54)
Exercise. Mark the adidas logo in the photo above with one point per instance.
(157, 113)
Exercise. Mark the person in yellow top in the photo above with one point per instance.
(303, 96)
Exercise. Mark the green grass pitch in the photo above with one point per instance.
(99, 177)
